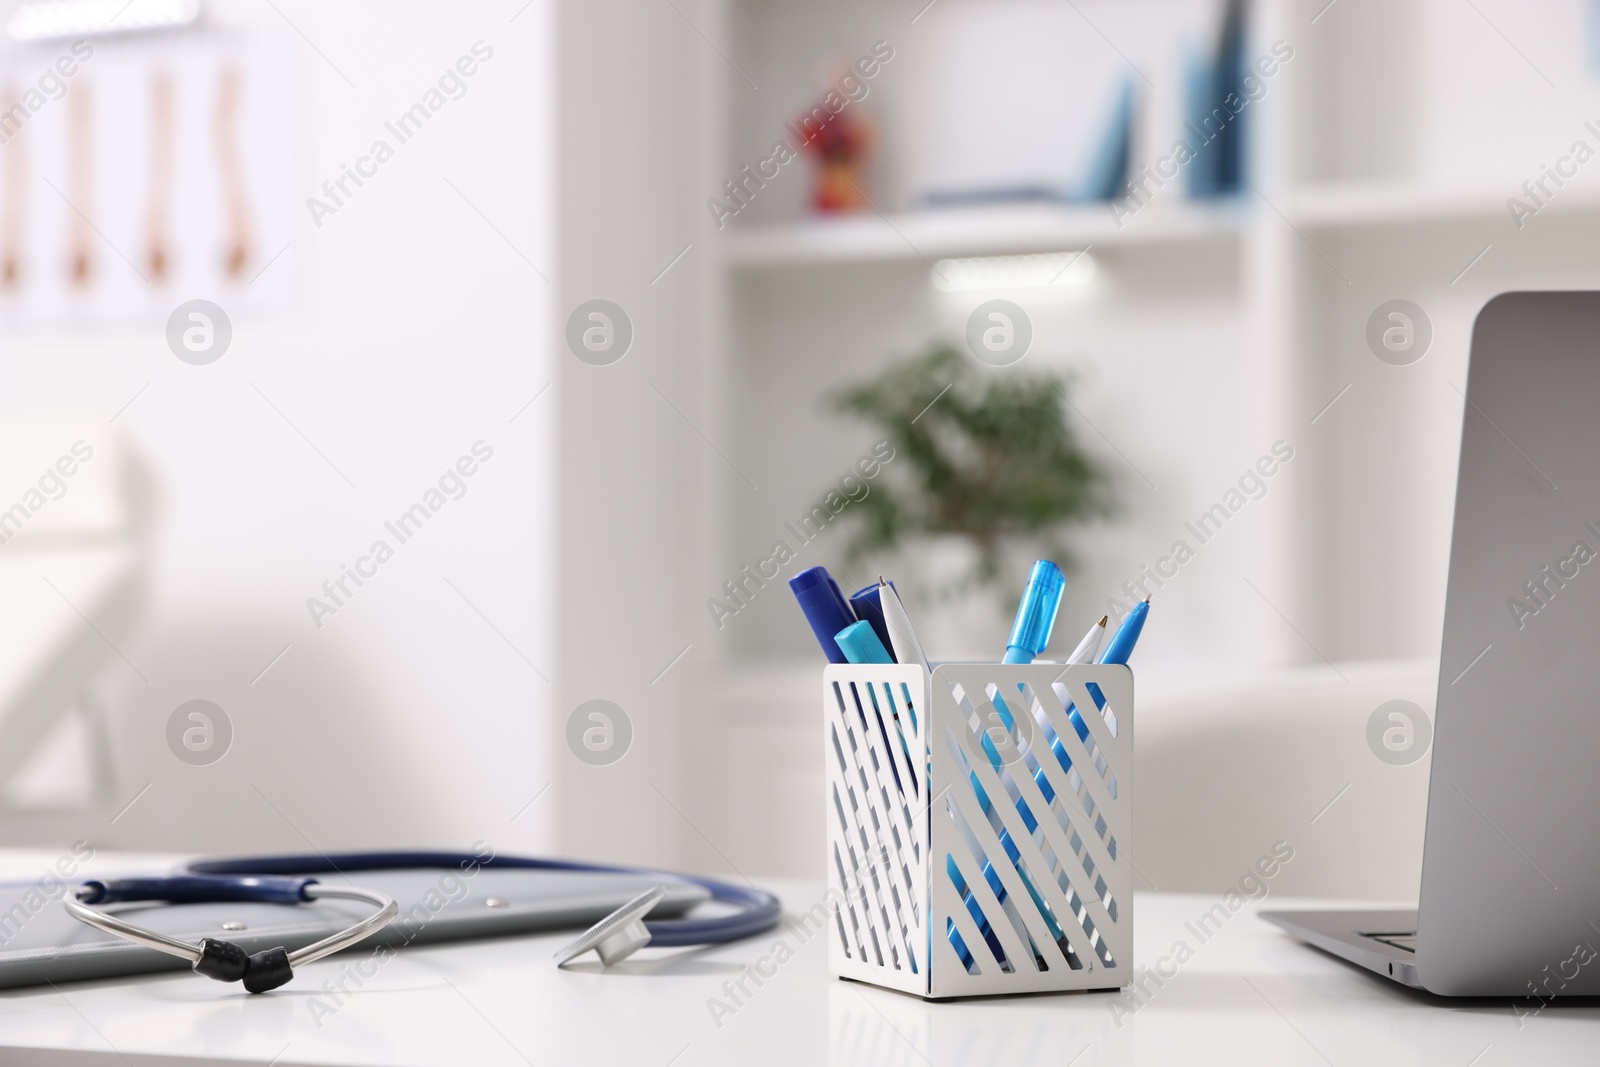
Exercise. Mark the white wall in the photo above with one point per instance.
(1451, 110)
(635, 510)
(415, 327)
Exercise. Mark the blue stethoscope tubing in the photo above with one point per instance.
(758, 910)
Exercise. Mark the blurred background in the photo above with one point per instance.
(404, 406)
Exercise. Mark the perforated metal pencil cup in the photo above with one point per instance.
(979, 826)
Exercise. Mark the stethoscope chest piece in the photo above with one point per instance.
(619, 935)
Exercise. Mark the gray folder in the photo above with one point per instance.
(40, 942)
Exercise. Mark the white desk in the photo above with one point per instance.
(1248, 996)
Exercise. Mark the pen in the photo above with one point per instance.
(1086, 651)
(1090, 645)
(1121, 646)
(1118, 651)
(903, 643)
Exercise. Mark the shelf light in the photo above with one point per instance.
(47, 20)
(1039, 271)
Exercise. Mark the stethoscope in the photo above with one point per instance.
(287, 880)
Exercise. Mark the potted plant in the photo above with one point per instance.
(987, 467)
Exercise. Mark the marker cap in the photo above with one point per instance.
(824, 607)
(1036, 615)
(809, 579)
(867, 605)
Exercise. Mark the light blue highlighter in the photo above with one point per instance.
(860, 644)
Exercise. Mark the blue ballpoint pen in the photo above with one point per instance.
(1121, 647)
(1118, 651)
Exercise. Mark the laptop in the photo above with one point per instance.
(1510, 896)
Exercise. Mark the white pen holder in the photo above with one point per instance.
(929, 782)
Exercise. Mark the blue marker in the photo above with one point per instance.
(824, 607)
(869, 606)
(1030, 635)
(861, 645)
(1036, 615)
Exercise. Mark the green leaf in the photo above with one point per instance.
(987, 455)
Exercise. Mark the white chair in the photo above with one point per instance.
(1223, 773)
(71, 567)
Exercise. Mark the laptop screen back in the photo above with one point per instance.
(1511, 867)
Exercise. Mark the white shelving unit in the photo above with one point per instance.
(1213, 331)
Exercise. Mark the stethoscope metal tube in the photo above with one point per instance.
(214, 957)
(347, 937)
(137, 934)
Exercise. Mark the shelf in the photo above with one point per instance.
(1349, 205)
(928, 235)
(971, 231)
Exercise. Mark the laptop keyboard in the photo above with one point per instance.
(1406, 941)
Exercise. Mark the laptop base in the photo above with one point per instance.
(1368, 938)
